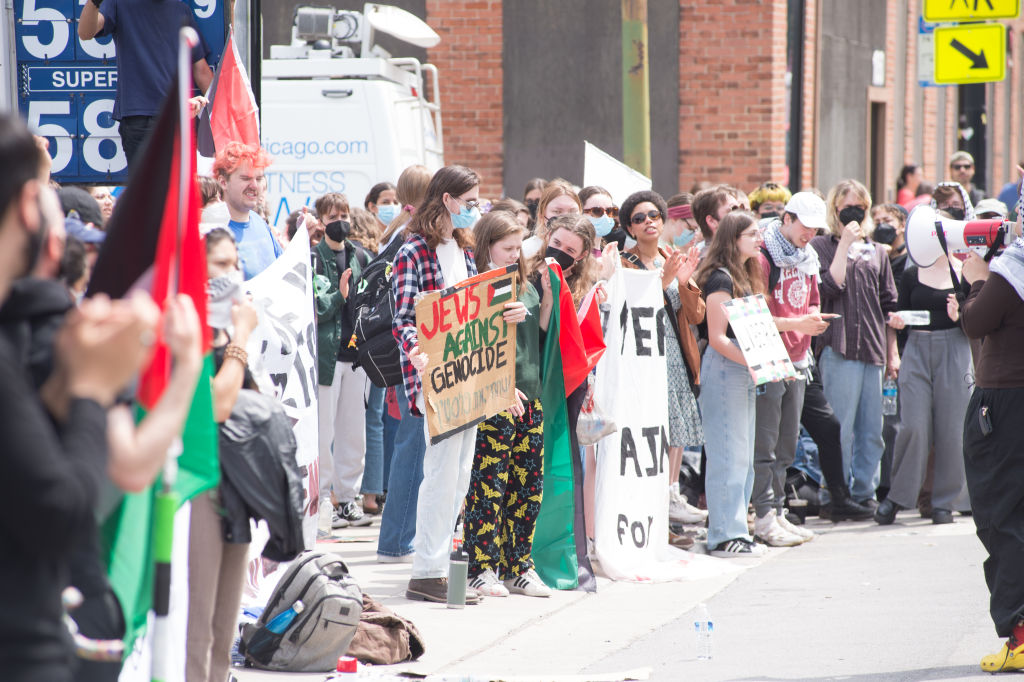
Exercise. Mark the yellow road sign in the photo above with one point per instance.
(974, 53)
(970, 10)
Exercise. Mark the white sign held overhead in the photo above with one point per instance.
(604, 170)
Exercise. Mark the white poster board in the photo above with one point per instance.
(759, 339)
(604, 170)
(631, 520)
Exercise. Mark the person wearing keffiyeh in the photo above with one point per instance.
(994, 311)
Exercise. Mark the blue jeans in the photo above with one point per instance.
(390, 431)
(398, 522)
(373, 471)
(727, 406)
(854, 390)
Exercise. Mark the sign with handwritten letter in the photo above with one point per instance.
(471, 351)
(759, 339)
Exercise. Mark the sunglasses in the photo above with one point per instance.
(639, 218)
(962, 166)
(599, 212)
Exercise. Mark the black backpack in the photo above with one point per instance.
(373, 303)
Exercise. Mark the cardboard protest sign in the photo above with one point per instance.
(631, 496)
(759, 339)
(471, 351)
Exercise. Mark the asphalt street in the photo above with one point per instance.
(860, 602)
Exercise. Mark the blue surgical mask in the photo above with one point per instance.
(466, 218)
(602, 225)
(685, 238)
(388, 212)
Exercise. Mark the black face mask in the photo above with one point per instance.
(769, 214)
(561, 257)
(884, 233)
(532, 205)
(955, 212)
(338, 230)
(851, 214)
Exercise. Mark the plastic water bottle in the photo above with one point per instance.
(704, 629)
(279, 623)
(889, 397)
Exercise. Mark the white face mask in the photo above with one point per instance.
(221, 294)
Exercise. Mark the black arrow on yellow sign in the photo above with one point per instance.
(978, 60)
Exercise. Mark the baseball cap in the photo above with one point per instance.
(809, 208)
(82, 203)
(991, 206)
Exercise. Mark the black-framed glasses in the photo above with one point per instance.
(470, 203)
(962, 166)
(599, 212)
(639, 218)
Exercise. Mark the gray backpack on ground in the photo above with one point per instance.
(323, 630)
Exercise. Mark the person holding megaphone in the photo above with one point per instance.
(994, 463)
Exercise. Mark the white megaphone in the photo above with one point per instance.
(961, 235)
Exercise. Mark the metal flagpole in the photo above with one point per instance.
(167, 501)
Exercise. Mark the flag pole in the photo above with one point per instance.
(167, 501)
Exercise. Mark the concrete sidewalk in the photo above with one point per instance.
(849, 601)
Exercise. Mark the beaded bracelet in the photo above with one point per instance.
(237, 352)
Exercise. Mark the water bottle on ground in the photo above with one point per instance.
(458, 576)
(279, 623)
(889, 397)
(704, 629)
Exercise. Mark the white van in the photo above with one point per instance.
(337, 122)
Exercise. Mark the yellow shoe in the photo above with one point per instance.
(1006, 659)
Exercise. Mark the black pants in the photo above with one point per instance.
(994, 465)
(823, 426)
(133, 131)
(99, 617)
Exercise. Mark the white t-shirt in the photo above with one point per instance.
(453, 262)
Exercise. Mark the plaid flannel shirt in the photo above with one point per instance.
(416, 270)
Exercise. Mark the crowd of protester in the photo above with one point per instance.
(747, 463)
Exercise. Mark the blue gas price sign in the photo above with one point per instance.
(66, 85)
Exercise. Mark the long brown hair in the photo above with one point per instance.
(554, 189)
(836, 196)
(724, 252)
(364, 228)
(583, 275)
(431, 213)
(412, 187)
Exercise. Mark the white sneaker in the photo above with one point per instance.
(528, 583)
(768, 531)
(737, 548)
(681, 511)
(488, 585)
(806, 533)
(389, 559)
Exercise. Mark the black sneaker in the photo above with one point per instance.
(350, 511)
(737, 548)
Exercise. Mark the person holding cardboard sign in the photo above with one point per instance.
(437, 253)
(727, 398)
(507, 481)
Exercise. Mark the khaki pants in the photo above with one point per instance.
(216, 574)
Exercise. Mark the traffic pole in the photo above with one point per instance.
(636, 88)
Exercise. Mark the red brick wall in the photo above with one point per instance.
(732, 95)
(809, 114)
(469, 61)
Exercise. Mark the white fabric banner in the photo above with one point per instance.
(282, 358)
(631, 517)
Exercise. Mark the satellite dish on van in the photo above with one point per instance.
(401, 24)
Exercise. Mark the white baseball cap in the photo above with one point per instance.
(809, 208)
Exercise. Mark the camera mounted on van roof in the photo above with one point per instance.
(325, 32)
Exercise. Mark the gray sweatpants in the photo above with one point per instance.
(934, 390)
(778, 426)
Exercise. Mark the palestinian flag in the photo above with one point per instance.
(232, 115)
(499, 292)
(559, 543)
(150, 244)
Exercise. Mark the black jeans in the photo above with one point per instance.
(823, 426)
(133, 131)
(994, 465)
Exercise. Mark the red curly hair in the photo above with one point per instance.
(235, 154)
